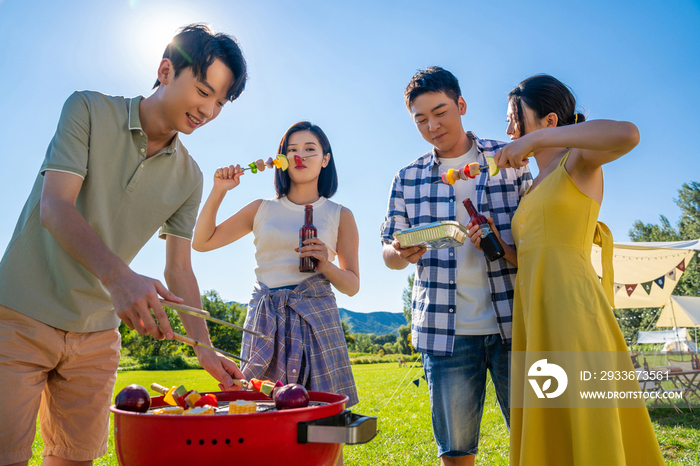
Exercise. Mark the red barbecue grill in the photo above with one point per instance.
(304, 436)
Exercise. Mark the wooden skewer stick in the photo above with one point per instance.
(205, 315)
(183, 307)
(193, 343)
(242, 383)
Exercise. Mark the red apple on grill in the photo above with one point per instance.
(291, 396)
(133, 398)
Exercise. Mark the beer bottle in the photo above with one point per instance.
(307, 231)
(489, 243)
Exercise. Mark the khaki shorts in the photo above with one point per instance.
(66, 377)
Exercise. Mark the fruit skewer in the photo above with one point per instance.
(470, 171)
(280, 161)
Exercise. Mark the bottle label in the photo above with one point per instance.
(485, 230)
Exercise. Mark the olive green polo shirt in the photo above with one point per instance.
(125, 198)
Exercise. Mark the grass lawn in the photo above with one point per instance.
(403, 410)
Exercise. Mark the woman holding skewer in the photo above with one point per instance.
(562, 311)
(297, 309)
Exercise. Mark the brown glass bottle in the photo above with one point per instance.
(307, 231)
(489, 243)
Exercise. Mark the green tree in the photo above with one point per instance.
(408, 300)
(383, 339)
(388, 348)
(349, 338)
(362, 343)
(225, 338)
(404, 339)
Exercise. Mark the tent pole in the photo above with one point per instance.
(675, 328)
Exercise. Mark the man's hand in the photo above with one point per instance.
(220, 367)
(134, 295)
(411, 254)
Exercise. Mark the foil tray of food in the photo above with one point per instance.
(436, 235)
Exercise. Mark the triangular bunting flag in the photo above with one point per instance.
(672, 275)
(660, 281)
(647, 286)
(681, 266)
(630, 289)
(417, 382)
(617, 287)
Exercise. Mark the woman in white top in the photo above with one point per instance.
(297, 309)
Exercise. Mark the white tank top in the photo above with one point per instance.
(276, 229)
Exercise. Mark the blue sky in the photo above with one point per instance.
(344, 66)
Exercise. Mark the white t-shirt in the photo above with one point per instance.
(475, 313)
(276, 229)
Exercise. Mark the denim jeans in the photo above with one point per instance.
(457, 386)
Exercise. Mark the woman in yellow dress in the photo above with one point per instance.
(561, 309)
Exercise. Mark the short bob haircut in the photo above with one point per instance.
(327, 179)
(433, 79)
(196, 46)
(545, 94)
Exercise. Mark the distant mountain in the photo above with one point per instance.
(379, 323)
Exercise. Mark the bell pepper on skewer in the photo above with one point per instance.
(469, 171)
(192, 398)
(208, 399)
(171, 395)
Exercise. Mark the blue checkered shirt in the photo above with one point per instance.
(416, 199)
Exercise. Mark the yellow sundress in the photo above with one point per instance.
(561, 305)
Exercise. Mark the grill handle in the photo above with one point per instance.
(347, 427)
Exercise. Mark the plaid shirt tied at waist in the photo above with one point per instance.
(309, 345)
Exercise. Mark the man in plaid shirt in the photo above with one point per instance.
(462, 303)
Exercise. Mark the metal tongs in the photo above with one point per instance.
(205, 315)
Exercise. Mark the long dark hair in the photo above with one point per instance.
(545, 94)
(327, 179)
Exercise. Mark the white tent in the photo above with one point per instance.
(680, 311)
(687, 346)
(646, 273)
(663, 336)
